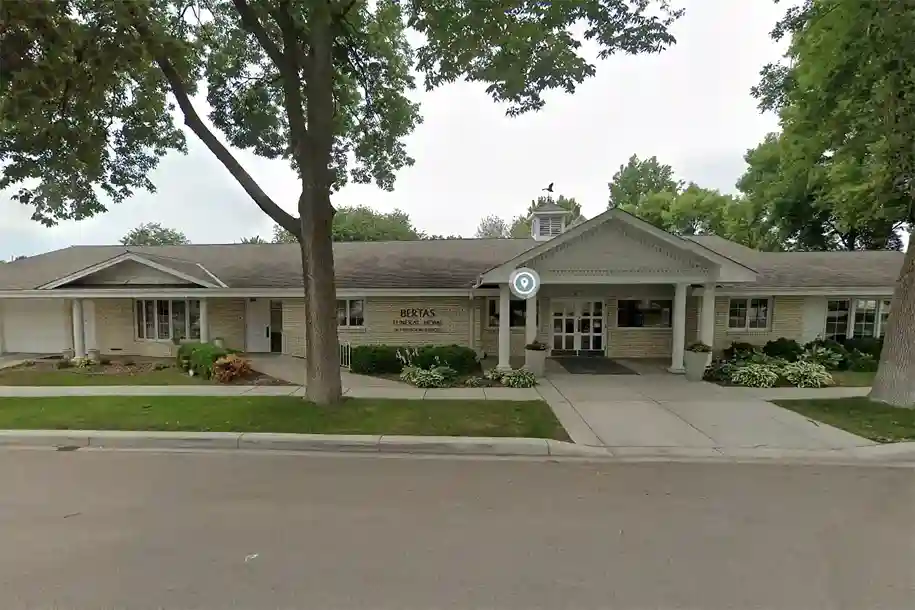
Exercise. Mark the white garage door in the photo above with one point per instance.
(34, 325)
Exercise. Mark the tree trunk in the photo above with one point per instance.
(895, 381)
(323, 384)
(306, 314)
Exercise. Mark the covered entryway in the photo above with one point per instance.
(34, 325)
(263, 325)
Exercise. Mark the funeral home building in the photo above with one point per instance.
(613, 286)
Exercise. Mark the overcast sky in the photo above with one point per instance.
(690, 106)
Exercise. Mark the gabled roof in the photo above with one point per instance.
(188, 271)
(548, 207)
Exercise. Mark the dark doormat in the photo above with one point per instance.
(589, 365)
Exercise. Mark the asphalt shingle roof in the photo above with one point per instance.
(444, 264)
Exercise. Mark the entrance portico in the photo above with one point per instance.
(614, 282)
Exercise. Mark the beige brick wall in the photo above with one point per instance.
(380, 315)
(115, 327)
(787, 320)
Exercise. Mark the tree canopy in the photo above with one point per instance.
(845, 98)
(362, 223)
(492, 226)
(154, 234)
(638, 178)
(90, 92)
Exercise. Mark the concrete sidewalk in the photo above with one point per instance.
(401, 391)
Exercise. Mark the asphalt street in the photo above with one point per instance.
(136, 530)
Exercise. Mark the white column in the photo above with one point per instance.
(204, 321)
(79, 336)
(679, 329)
(530, 321)
(707, 320)
(504, 328)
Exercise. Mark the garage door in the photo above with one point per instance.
(34, 325)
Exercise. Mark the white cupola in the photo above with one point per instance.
(548, 220)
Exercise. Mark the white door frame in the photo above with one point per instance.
(257, 325)
(574, 308)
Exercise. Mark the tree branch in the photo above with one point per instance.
(290, 70)
(252, 24)
(196, 124)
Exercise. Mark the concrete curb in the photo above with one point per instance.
(443, 445)
(901, 453)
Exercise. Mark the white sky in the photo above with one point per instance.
(690, 106)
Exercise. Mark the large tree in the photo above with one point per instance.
(492, 226)
(154, 234)
(847, 93)
(521, 225)
(638, 178)
(87, 88)
(362, 223)
(816, 204)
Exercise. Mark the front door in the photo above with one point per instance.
(578, 327)
(257, 325)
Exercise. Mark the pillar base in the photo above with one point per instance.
(676, 370)
(503, 367)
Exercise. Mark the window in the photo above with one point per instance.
(517, 310)
(350, 313)
(884, 316)
(748, 314)
(837, 315)
(644, 314)
(865, 318)
(163, 319)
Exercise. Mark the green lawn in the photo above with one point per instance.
(283, 414)
(89, 376)
(853, 378)
(861, 416)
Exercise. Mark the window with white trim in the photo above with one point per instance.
(165, 319)
(517, 312)
(866, 317)
(884, 317)
(350, 313)
(838, 314)
(749, 314)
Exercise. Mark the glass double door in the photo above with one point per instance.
(578, 326)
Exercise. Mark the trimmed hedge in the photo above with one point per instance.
(788, 349)
(865, 345)
(384, 360)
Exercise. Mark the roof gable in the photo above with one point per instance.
(131, 268)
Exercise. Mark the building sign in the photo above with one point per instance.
(418, 320)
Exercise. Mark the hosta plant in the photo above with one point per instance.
(755, 376)
(807, 374)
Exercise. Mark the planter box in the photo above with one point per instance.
(695, 364)
(535, 361)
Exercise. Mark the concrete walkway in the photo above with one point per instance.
(637, 413)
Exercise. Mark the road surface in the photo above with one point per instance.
(105, 529)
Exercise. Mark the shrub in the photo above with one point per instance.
(476, 382)
(866, 345)
(825, 356)
(519, 378)
(423, 378)
(833, 346)
(805, 374)
(81, 363)
(863, 362)
(719, 371)
(230, 367)
(63, 364)
(755, 376)
(375, 360)
(494, 374)
(788, 349)
(461, 359)
(202, 357)
(739, 351)
(448, 373)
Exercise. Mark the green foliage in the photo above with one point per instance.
(476, 382)
(699, 347)
(755, 375)
(521, 225)
(806, 374)
(492, 226)
(866, 345)
(786, 349)
(863, 362)
(424, 378)
(739, 350)
(154, 234)
(639, 178)
(720, 371)
(256, 239)
(200, 358)
(519, 378)
(361, 223)
(494, 374)
(831, 359)
(392, 359)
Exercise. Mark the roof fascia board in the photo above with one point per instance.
(165, 293)
(851, 291)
